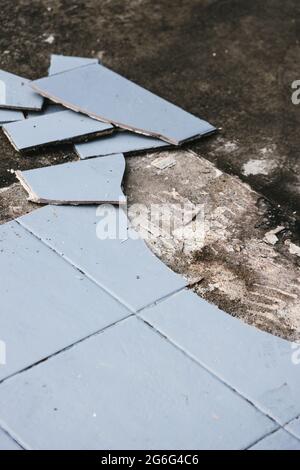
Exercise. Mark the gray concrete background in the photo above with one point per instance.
(230, 62)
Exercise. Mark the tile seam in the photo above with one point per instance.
(66, 348)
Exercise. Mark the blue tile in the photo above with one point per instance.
(46, 304)
(52, 128)
(87, 182)
(127, 388)
(256, 364)
(103, 94)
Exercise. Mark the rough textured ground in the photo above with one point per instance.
(231, 62)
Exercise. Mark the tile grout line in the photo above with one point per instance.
(270, 434)
(262, 438)
(70, 262)
(203, 366)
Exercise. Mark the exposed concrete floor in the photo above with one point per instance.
(230, 62)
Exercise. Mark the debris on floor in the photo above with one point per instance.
(93, 181)
(293, 249)
(271, 236)
(164, 162)
(162, 348)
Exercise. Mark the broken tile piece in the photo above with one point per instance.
(62, 63)
(164, 162)
(94, 241)
(16, 94)
(10, 115)
(279, 440)
(103, 94)
(127, 388)
(86, 182)
(46, 304)
(7, 443)
(119, 142)
(256, 364)
(64, 126)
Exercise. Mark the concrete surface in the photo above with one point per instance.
(231, 62)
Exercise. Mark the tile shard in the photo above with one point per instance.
(127, 388)
(58, 127)
(104, 95)
(94, 181)
(256, 364)
(118, 142)
(62, 63)
(46, 304)
(15, 93)
(99, 244)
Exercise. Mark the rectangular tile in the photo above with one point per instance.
(6, 443)
(103, 94)
(119, 142)
(93, 181)
(256, 364)
(127, 388)
(64, 126)
(117, 261)
(62, 63)
(279, 440)
(16, 94)
(46, 304)
(10, 115)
